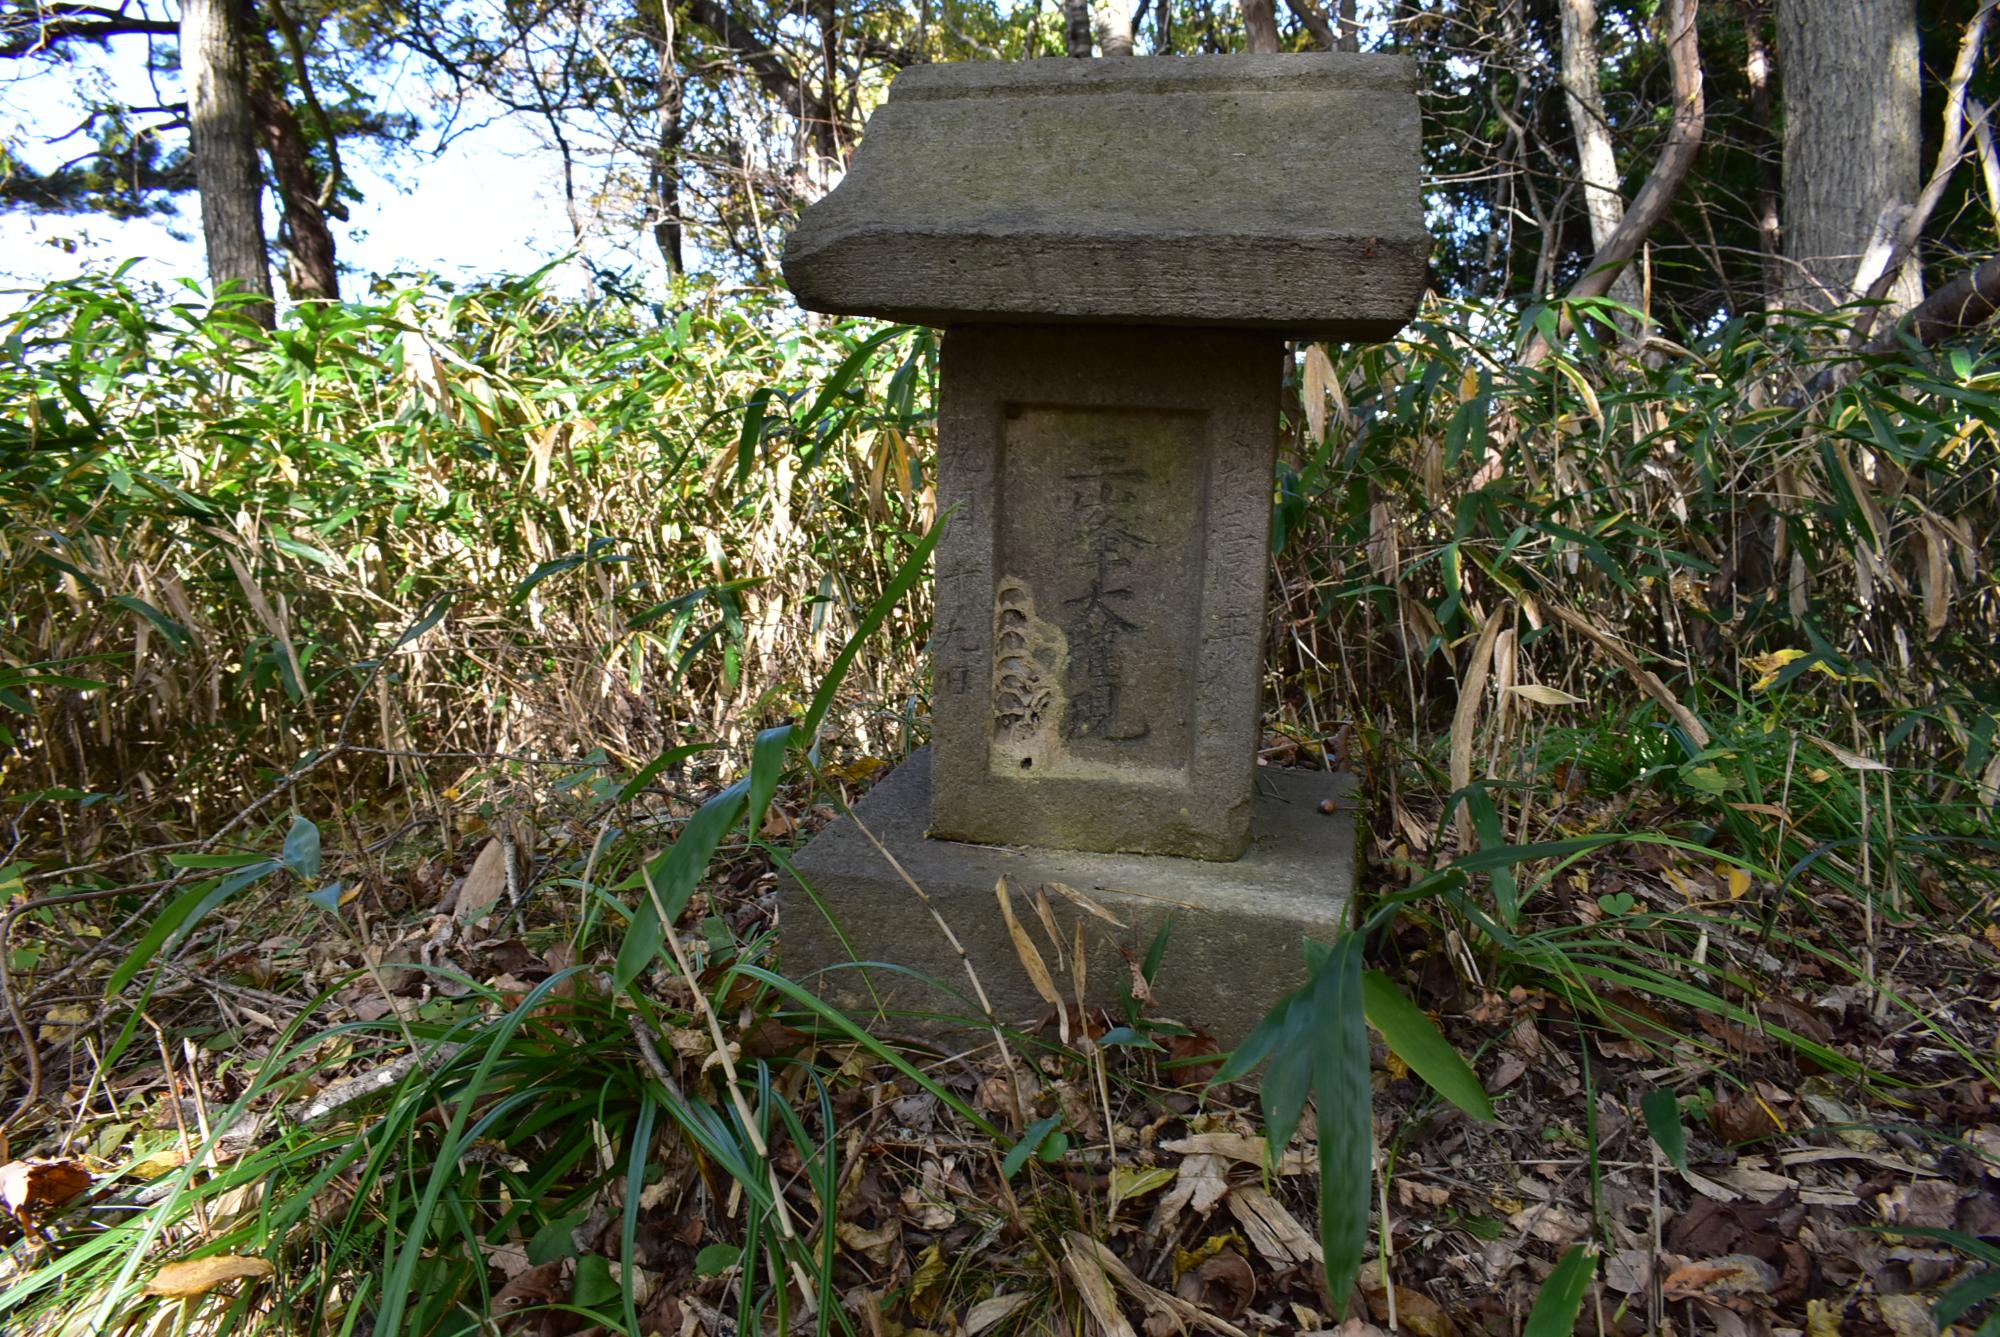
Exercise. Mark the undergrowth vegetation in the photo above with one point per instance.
(403, 713)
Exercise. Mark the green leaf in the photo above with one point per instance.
(1344, 1101)
(555, 1240)
(595, 1287)
(180, 918)
(1259, 1045)
(555, 566)
(849, 368)
(328, 897)
(1288, 1081)
(214, 860)
(1707, 779)
(673, 877)
(767, 767)
(715, 1259)
(1662, 1109)
(1967, 1294)
(1031, 1142)
(1412, 1037)
(672, 756)
(755, 411)
(1157, 951)
(176, 634)
(433, 613)
(1561, 1299)
(302, 848)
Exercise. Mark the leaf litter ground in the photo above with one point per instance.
(1819, 1188)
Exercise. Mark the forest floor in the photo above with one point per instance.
(1840, 1149)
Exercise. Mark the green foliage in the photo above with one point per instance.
(260, 546)
(1561, 1297)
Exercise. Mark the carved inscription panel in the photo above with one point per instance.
(1097, 600)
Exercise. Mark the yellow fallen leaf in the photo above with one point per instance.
(1136, 1181)
(924, 1296)
(1768, 667)
(199, 1276)
(1822, 1319)
(159, 1163)
(63, 1021)
(1737, 881)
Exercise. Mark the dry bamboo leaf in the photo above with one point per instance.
(1319, 375)
(1178, 1313)
(1935, 577)
(1273, 1231)
(1852, 760)
(1046, 913)
(1085, 904)
(1647, 680)
(199, 1276)
(1545, 696)
(1031, 959)
(1082, 970)
(1465, 720)
(1239, 1147)
(1080, 1260)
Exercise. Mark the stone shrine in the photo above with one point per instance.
(1117, 250)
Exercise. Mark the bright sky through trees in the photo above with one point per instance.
(487, 202)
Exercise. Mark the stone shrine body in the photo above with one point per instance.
(1117, 250)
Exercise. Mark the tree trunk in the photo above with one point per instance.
(1770, 231)
(667, 225)
(310, 274)
(1853, 139)
(216, 68)
(1113, 22)
(1583, 92)
(1260, 25)
(1076, 28)
(1350, 28)
(1677, 155)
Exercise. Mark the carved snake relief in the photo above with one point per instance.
(1023, 695)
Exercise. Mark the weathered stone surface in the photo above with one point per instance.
(1275, 192)
(1100, 586)
(1237, 927)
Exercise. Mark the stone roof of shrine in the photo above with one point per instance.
(1274, 192)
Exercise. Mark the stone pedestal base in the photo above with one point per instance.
(1235, 948)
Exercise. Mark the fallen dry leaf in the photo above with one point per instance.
(874, 1245)
(1927, 1203)
(484, 884)
(1718, 1278)
(29, 1188)
(199, 1276)
(1272, 1230)
(989, 1312)
(1094, 1287)
(1415, 1311)
(1743, 1118)
(64, 1021)
(1203, 1182)
(1906, 1315)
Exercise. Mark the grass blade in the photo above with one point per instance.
(1343, 1098)
(1412, 1037)
(1561, 1298)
